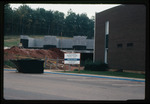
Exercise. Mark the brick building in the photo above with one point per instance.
(120, 37)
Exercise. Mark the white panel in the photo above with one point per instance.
(31, 42)
(65, 43)
(50, 40)
(79, 40)
(24, 37)
(89, 43)
(38, 42)
(72, 55)
(72, 58)
(71, 62)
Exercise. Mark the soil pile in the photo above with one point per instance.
(54, 53)
(19, 53)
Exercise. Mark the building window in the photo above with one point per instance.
(119, 45)
(106, 33)
(129, 44)
(106, 40)
(107, 27)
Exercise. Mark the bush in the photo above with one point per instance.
(83, 63)
(76, 70)
(95, 66)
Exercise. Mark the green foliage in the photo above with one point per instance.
(27, 21)
(76, 70)
(95, 66)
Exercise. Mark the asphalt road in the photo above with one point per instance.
(47, 86)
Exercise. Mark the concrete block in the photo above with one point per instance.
(50, 40)
(31, 42)
(65, 43)
(38, 43)
(24, 37)
(90, 43)
(79, 40)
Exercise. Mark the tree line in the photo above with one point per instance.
(27, 21)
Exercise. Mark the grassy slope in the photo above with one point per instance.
(10, 41)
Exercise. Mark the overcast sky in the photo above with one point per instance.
(89, 9)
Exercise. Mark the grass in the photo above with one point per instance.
(10, 41)
(110, 73)
(14, 40)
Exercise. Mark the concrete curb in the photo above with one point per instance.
(99, 76)
(90, 75)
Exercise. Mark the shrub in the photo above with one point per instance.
(95, 66)
(75, 69)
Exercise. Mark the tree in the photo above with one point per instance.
(27, 21)
(8, 19)
(49, 18)
(71, 23)
(24, 13)
(57, 22)
(78, 24)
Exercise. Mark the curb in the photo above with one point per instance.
(89, 75)
(100, 76)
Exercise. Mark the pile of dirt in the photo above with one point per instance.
(57, 53)
(19, 53)
(54, 53)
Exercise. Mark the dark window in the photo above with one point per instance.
(107, 38)
(119, 45)
(129, 44)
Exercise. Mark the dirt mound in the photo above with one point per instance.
(57, 53)
(19, 53)
(54, 53)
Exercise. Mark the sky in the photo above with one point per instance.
(89, 9)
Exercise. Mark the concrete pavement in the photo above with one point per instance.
(50, 86)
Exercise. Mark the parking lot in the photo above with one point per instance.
(53, 86)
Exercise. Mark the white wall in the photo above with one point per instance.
(31, 42)
(89, 43)
(50, 40)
